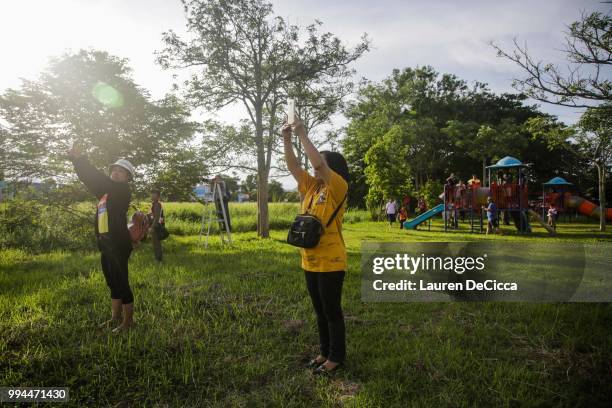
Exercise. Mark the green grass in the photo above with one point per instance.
(233, 326)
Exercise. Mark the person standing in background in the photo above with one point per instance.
(157, 222)
(492, 226)
(406, 204)
(552, 216)
(391, 211)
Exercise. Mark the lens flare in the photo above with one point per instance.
(107, 95)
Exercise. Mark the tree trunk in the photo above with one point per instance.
(603, 206)
(263, 224)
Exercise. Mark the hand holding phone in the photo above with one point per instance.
(290, 111)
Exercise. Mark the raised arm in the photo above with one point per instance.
(292, 164)
(96, 182)
(315, 158)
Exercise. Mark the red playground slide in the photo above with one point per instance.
(586, 207)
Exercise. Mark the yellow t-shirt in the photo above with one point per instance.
(330, 254)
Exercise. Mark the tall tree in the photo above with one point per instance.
(439, 124)
(246, 54)
(90, 98)
(585, 84)
(589, 142)
(594, 138)
(388, 173)
(179, 173)
(588, 48)
(277, 193)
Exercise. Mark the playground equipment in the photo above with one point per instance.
(510, 194)
(508, 190)
(556, 191)
(586, 207)
(413, 223)
(537, 219)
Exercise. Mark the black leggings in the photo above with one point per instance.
(115, 268)
(325, 289)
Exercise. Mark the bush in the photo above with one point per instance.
(30, 225)
(431, 190)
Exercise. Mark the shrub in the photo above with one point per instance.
(31, 225)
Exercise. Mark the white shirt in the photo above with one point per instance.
(390, 207)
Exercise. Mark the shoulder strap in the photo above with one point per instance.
(336, 211)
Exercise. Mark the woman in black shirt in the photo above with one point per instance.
(112, 235)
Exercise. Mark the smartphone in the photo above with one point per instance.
(290, 111)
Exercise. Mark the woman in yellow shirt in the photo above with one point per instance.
(324, 265)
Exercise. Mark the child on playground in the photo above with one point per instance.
(491, 216)
(552, 216)
(422, 205)
(112, 234)
(403, 216)
(474, 182)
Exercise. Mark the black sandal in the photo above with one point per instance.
(321, 370)
(312, 364)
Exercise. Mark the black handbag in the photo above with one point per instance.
(306, 230)
(162, 232)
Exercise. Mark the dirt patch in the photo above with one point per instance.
(347, 390)
(357, 320)
(294, 326)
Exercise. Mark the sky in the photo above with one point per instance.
(451, 36)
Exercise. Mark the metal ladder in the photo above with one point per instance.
(213, 217)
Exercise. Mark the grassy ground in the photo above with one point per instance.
(232, 327)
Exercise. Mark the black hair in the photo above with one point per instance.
(337, 163)
(156, 191)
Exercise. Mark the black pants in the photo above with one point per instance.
(325, 289)
(115, 269)
(157, 246)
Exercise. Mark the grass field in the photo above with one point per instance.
(233, 327)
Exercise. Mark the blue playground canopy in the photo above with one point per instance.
(507, 162)
(557, 181)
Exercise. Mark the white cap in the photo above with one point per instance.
(125, 165)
